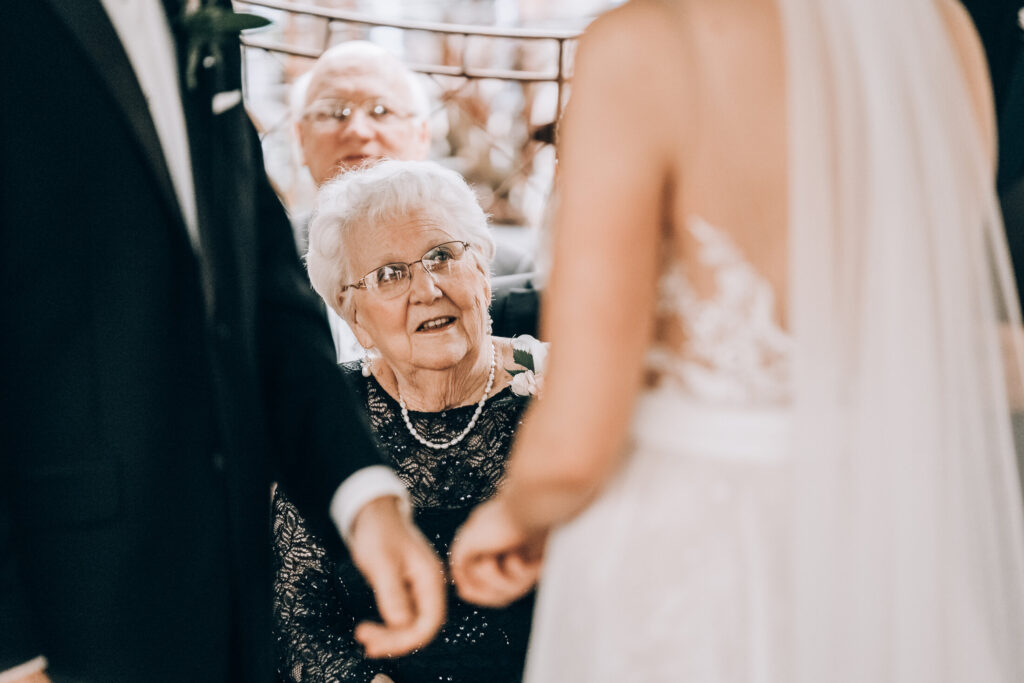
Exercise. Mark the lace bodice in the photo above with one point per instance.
(735, 351)
(319, 596)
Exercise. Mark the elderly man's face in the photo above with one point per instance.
(355, 113)
(440, 321)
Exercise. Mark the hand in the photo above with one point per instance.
(382, 678)
(493, 560)
(35, 677)
(407, 579)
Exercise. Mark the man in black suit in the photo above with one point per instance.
(163, 359)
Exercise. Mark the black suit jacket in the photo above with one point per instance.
(140, 427)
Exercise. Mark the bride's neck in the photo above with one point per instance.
(432, 391)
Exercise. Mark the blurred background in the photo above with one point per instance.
(497, 73)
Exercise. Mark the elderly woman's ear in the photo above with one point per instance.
(484, 268)
(351, 316)
(344, 306)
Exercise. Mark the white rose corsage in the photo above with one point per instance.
(532, 354)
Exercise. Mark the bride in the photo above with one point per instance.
(775, 440)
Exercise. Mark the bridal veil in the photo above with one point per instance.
(909, 551)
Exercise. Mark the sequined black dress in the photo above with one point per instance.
(319, 596)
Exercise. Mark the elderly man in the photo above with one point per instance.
(361, 103)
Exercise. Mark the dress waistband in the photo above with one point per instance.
(666, 420)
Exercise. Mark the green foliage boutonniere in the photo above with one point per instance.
(206, 26)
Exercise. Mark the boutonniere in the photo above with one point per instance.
(531, 354)
(206, 26)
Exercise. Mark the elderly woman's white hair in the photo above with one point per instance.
(382, 192)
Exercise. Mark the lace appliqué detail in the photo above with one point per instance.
(735, 351)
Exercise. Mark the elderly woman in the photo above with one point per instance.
(401, 251)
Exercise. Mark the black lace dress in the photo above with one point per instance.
(319, 595)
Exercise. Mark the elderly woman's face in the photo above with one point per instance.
(440, 319)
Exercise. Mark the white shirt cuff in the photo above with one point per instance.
(359, 489)
(30, 667)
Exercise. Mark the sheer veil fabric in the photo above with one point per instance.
(909, 545)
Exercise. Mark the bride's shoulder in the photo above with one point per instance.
(635, 21)
(627, 49)
(675, 32)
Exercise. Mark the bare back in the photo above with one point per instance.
(678, 112)
(674, 233)
(730, 160)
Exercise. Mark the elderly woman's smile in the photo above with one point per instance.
(423, 306)
(401, 250)
(436, 324)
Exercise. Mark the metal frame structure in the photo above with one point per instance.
(334, 16)
(336, 20)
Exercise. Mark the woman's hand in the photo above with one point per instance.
(494, 561)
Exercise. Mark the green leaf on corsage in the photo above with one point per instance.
(524, 358)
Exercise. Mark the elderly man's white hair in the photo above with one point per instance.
(385, 191)
(362, 53)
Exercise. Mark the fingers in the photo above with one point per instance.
(394, 600)
(422, 585)
(493, 562)
(463, 560)
(476, 579)
(521, 569)
(427, 582)
(484, 534)
(497, 580)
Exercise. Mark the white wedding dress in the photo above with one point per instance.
(695, 589)
(837, 502)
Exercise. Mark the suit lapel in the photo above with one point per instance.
(91, 27)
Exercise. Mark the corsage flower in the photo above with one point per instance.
(529, 353)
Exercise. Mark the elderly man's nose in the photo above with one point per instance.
(358, 125)
(423, 287)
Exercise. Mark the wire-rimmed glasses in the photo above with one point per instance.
(393, 279)
(339, 113)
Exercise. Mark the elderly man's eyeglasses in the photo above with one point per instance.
(392, 279)
(337, 113)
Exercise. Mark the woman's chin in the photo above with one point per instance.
(439, 350)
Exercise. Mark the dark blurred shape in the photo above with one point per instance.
(998, 24)
(545, 133)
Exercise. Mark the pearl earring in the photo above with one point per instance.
(364, 365)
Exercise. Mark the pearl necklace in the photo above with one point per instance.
(472, 422)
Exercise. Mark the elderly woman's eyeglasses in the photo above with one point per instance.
(392, 279)
(338, 113)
